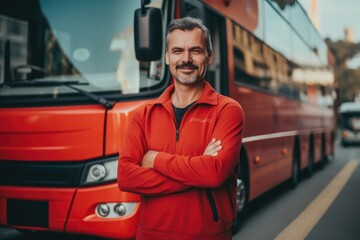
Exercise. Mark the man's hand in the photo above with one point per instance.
(148, 159)
(213, 148)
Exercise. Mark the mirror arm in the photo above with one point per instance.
(143, 4)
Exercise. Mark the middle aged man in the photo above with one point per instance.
(181, 150)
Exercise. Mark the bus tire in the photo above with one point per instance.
(310, 167)
(323, 154)
(241, 200)
(295, 169)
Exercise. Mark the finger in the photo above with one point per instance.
(213, 151)
(217, 149)
(212, 141)
(213, 144)
(210, 145)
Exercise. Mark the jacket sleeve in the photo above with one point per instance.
(134, 178)
(208, 171)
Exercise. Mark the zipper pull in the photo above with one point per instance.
(177, 134)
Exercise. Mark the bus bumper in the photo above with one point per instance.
(68, 210)
(35, 208)
(84, 219)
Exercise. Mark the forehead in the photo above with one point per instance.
(187, 38)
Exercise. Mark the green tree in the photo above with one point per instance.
(347, 80)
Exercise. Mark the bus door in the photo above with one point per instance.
(217, 74)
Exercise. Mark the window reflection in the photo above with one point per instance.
(15, 31)
(85, 40)
(284, 63)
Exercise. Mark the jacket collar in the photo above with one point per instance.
(208, 96)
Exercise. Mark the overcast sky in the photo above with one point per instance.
(336, 15)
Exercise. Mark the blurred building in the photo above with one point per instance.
(349, 34)
(314, 13)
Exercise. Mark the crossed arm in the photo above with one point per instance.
(211, 149)
(158, 173)
(137, 176)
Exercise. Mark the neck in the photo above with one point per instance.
(183, 94)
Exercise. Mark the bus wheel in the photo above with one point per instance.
(295, 173)
(309, 169)
(241, 202)
(323, 161)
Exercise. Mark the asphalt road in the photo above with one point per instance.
(274, 213)
(325, 206)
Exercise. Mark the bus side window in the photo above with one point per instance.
(216, 74)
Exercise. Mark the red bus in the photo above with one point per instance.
(69, 80)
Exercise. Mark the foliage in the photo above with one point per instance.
(347, 80)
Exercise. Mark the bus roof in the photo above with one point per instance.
(349, 107)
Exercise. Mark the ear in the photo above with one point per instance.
(210, 57)
(166, 57)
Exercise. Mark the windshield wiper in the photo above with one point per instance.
(27, 69)
(48, 83)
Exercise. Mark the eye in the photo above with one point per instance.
(196, 51)
(176, 51)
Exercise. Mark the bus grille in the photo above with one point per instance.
(44, 174)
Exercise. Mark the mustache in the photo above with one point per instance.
(186, 65)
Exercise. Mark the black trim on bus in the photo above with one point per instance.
(78, 99)
(224, 58)
(27, 213)
(44, 174)
(47, 174)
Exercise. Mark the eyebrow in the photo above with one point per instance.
(192, 48)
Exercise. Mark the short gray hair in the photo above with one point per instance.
(189, 23)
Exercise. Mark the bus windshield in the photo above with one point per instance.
(89, 41)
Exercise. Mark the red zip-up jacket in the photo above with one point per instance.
(186, 195)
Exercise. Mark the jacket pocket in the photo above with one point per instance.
(212, 205)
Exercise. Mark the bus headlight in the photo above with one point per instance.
(120, 209)
(116, 209)
(96, 172)
(103, 210)
(100, 171)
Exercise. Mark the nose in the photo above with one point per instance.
(186, 56)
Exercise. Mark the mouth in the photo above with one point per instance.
(186, 67)
(186, 70)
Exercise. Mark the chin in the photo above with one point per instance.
(189, 81)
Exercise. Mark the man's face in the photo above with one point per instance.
(187, 56)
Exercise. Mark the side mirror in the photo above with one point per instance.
(148, 33)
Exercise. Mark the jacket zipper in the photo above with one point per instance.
(212, 205)
(177, 125)
(177, 133)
